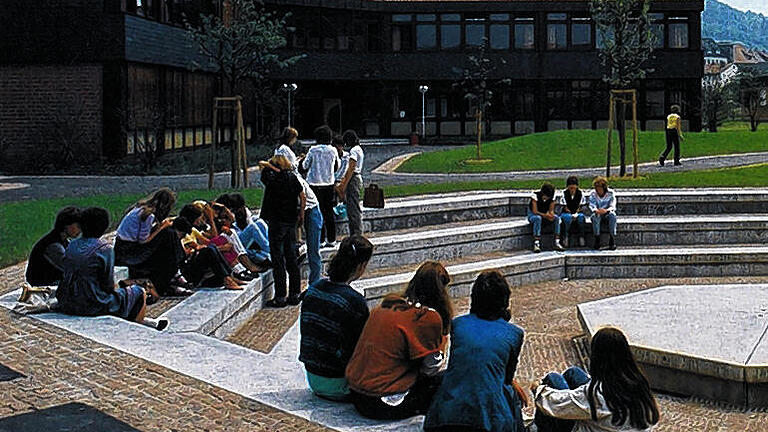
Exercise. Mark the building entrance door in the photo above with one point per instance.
(332, 114)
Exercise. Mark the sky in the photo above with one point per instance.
(758, 6)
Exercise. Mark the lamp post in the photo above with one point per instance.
(290, 88)
(423, 89)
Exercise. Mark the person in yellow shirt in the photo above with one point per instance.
(674, 134)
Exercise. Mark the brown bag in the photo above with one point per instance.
(373, 196)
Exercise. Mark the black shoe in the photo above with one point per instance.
(597, 243)
(246, 275)
(661, 161)
(277, 302)
(677, 164)
(300, 257)
(294, 299)
(612, 244)
(177, 291)
(162, 324)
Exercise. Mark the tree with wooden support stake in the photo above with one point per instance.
(625, 43)
(240, 157)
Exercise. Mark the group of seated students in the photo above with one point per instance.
(209, 244)
(392, 362)
(572, 205)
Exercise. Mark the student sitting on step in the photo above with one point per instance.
(478, 392)
(332, 317)
(228, 243)
(87, 287)
(44, 266)
(251, 230)
(571, 203)
(542, 209)
(615, 398)
(602, 203)
(400, 357)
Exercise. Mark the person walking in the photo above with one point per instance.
(674, 133)
(322, 161)
(352, 181)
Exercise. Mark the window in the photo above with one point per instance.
(657, 29)
(375, 44)
(499, 36)
(499, 17)
(557, 31)
(430, 107)
(581, 33)
(581, 99)
(602, 36)
(402, 38)
(557, 100)
(426, 34)
(524, 33)
(654, 104)
(450, 34)
(401, 18)
(474, 31)
(524, 107)
(678, 32)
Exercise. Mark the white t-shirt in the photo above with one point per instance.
(311, 197)
(343, 168)
(321, 162)
(357, 155)
(286, 151)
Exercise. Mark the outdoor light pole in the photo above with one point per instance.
(423, 89)
(290, 88)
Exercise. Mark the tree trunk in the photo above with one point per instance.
(478, 129)
(621, 125)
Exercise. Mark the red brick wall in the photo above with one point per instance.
(42, 106)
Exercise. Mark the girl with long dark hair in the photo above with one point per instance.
(615, 396)
(332, 317)
(478, 392)
(399, 359)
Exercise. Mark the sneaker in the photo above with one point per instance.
(582, 243)
(597, 242)
(277, 302)
(677, 164)
(536, 246)
(565, 242)
(612, 244)
(558, 245)
(162, 324)
(661, 161)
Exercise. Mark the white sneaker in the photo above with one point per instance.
(582, 243)
(558, 245)
(536, 246)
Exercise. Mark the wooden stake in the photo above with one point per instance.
(634, 135)
(212, 156)
(610, 136)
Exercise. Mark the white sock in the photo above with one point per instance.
(159, 323)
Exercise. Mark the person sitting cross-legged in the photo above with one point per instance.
(400, 357)
(87, 287)
(541, 209)
(602, 203)
(615, 398)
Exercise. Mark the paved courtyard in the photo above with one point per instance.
(78, 381)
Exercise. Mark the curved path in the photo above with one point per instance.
(385, 173)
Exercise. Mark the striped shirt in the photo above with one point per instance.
(332, 317)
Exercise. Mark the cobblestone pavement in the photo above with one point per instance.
(688, 164)
(16, 188)
(265, 329)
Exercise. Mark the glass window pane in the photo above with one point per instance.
(556, 37)
(401, 18)
(678, 35)
(426, 36)
(475, 33)
(658, 35)
(397, 40)
(426, 17)
(450, 36)
(557, 17)
(602, 37)
(500, 17)
(581, 34)
(656, 16)
(499, 36)
(450, 17)
(524, 36)
(654, 103)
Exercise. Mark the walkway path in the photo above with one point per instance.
(385, 174)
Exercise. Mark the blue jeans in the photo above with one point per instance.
(568, 219)
(313, 225)
(536, 221)
(255, 239)
(572, 378)
(597, 219)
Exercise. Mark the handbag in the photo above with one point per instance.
(373, 197)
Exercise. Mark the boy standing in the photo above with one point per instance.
(674, 134)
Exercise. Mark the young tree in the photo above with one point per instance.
(752, 86)
(716, 99)
(478, 85)
(625, 43)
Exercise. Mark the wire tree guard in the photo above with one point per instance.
(239, 157)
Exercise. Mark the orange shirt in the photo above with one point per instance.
(386, 358)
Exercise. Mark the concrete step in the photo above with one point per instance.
(527, 267)
(411, 246)
(401, 213)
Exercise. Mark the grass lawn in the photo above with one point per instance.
(22, 223)
(579, 149)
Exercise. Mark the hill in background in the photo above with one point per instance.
(724, 23)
